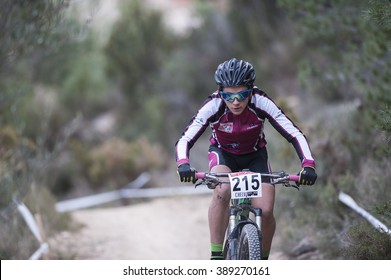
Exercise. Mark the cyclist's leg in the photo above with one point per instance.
(266, 203)
(218, 214)
(260, 163)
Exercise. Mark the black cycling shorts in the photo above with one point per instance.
(255, 162)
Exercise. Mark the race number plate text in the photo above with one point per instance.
(244, 184)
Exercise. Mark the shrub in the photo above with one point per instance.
(367, 243)
(116, 161)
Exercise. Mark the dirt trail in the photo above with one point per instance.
(160, 229)
(164, 228)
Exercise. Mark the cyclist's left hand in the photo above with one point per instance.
(307, 176)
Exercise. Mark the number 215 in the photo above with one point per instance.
(255, 184)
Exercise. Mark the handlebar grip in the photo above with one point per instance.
(294, 178)
(200, 175)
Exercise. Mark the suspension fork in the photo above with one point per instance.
(232, 218)
(233, 242)
(258, 217)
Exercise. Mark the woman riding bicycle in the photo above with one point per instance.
(236, 112)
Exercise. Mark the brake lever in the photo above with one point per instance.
(202, 182)
(211, 185)
(287, 185)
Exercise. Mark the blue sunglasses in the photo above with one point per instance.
(230, 97)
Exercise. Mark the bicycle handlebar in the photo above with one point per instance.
(291, 177)
(212, 179)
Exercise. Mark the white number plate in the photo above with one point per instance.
(245, 184)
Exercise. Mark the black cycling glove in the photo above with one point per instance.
(307, 176)
(186, 173)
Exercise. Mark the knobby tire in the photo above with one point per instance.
(250, 243)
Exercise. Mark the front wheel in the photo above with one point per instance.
(250, 243)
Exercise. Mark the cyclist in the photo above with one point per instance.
(236, 112)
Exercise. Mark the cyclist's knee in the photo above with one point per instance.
(222, 194)
(267, 210)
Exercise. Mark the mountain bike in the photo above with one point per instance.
(243, 239)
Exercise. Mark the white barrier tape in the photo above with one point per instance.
(43, 249)
(140, 181)
(93, 200)
(87, 201)
(349, 201)
(30, 221)
(98, 199)
(162, 192)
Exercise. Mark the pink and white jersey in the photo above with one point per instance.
(241, 134)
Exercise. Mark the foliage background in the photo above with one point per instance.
(87, 104)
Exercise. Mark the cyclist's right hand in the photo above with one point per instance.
(186, 173)
(307, 176)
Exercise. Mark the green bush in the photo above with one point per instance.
(367, 243)
(116, 162)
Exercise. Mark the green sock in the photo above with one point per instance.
(265, 255)
(216, 251)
